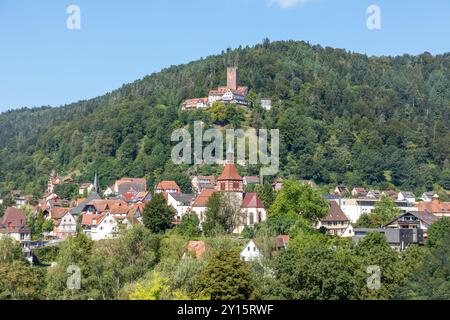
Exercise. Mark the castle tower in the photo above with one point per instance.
(230, 154)
(232, 78)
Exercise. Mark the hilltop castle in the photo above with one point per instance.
(231, 94)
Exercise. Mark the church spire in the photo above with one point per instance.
(95, 182)
(230, 153)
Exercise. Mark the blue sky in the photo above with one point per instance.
(44, 63)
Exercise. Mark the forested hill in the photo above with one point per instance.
(343, 117)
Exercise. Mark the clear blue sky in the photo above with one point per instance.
(44, 63)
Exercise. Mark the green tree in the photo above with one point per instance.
(296, 201)
(157, 215)
(10, 250)
(385, 211)
(222, 214)
(439, 232)
(190, 225)
(19, 281)
(225, 277)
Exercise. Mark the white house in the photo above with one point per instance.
(65, 226)
(181, 202)
(99, 227)
(251, 252)
(428, 196)
(354, 208)
(406, 196)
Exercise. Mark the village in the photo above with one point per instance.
(102, 214)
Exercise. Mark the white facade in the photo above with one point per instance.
(354, 208)
(251, 252)
(106, 229)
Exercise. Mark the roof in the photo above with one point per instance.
(251, 200)
(57, 213)
(167, 185)
(131, 184)
(359, 189)
(78, 209)
(15, 218)
(335, 213)
(89, 219)
(197, 247)
(408, 194)
(282, 241)
(184, 198)
(229, 173)
(252, 179)
(434, 206)
(203, 197)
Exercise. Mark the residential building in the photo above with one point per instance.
(406, 196)
(13, 224)
(335, 222)
(181, 202)
(199, 205)
(340, 190)
(354, 208)
(251, 180)
(428, 196)
(359, 192)
(251, 252)
(167, 187)
(413, 220)
(202, 182)
(99, 226)
(398, 239)
(125, 185)
(435, 206)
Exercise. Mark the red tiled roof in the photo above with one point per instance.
(58, 213)
(229, 173)
(434, 206)
(282, 240)
(167, 185)
(251, 200)
(335, 213)
(88, 219)
(197, 247)
(203, 198)
(13, 217)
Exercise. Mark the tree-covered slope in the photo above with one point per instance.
(343, 117)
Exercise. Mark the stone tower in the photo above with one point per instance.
(232, 78)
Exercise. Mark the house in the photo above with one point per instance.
(99, 227)
(335, 222)
(359, 192)
(125, 185)
(278, 184)
(78, 210)
(167, 187)
(340, 190)
(398, 239)
(413, 220)
(65, 226)
(354, 208)
(435, 206)
(390, 194)
(199, 205)
(203, 182)
(251, 180)
(282, 242)
(374, 194)
(23, 200)
(251, 252)
(195, 249)
(196, 103)
(428, 196)
(181, 202)
(85, 188)
(406, 196)
(253, 211)
(266, 104)
(14, 224)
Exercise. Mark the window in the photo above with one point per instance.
(222, 186)
(251, 219)
(235, 185)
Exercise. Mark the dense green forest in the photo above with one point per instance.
(343, 117)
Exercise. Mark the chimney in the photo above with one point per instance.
(232, 78)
